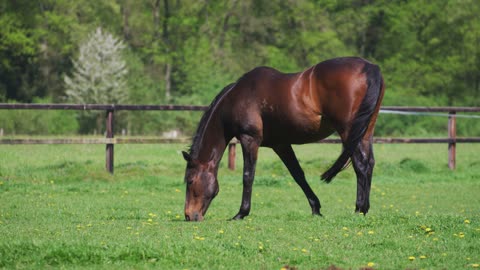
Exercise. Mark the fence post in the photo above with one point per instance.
(452, 135)
(109, 147)
(231, 155)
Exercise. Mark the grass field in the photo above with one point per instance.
(60, 209)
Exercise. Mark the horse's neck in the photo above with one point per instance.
(213, 143)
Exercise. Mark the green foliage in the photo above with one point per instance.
(64, 211)
(33, 122)
(187, 51)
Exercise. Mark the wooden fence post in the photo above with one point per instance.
(231, 155)
(109, 147)
(452, 135)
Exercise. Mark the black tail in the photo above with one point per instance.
(360, 122)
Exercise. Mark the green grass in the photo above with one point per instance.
(60, 209)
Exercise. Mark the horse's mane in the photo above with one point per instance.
(197, 139)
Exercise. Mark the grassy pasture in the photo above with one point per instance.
(60, 209)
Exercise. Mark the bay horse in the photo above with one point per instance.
(272, 109)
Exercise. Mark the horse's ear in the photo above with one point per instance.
(187, 156)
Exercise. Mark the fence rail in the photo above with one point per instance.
(110, 141)
(122, 107)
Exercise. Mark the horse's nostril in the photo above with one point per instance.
(195, 217)
(187, 218)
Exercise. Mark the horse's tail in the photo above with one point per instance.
(361, 121)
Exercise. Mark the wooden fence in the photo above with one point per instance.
(110, 140)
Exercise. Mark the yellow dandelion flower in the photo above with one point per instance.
(220, 231)
(304, 250)
(428, 229)
(152, 215)
(129, 228)
(370, 264)
(475, 265)
(411, 258)
(359, 233)
(177, 190)
(423, 257)
(345, 228)
(466, 221)
(371, 232)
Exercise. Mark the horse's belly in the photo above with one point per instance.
(300, 131)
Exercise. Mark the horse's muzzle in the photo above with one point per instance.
(194, 217)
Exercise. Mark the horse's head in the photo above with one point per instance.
(202, 187)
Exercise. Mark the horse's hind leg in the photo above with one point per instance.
(286, 154)
(363, 163)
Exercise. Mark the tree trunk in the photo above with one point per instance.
(225, 24)
(156, 20)
(166, 40)
(125, 9)
(168, 81)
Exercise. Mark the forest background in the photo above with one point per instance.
(186, 51)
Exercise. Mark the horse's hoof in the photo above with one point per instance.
(360, 213)
(238, 217)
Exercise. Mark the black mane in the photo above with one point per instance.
(197, 139)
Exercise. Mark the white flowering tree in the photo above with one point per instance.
(99, 76)
(99, 72)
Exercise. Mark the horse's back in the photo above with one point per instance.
(297, 107)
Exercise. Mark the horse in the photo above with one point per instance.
(268, 108)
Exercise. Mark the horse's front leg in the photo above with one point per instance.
(250, 152)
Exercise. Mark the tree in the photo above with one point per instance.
(99, 73)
